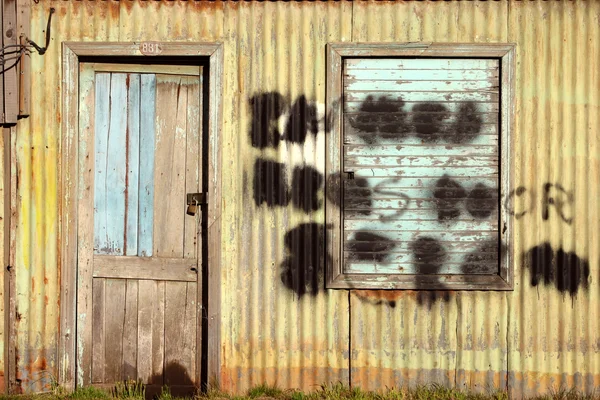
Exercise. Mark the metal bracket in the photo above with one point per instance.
(198, 199)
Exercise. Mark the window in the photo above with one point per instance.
(418, 155)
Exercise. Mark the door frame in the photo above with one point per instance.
(73, 53)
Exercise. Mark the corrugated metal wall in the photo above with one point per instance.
(279, 325)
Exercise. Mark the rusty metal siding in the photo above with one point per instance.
(281, 327)
(554, 336)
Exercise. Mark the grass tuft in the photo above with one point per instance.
(135, 390)
(265, 391)
(86, 393)
(129, 389)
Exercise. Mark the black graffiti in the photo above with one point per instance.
(484, 258)
(521, 201)
(368, 246)
(302, 271)
(428, 254)
(555, 195)
(448, 193)
(521, 192)
(306, 183)
(467, 124)
(428, 120)
(270, 183)
(271, 187)
(385, 118)
(266, 110)
(429, 297)
(480, 202)
(566, 271)
(302, 119)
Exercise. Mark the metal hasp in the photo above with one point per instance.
(193, 201)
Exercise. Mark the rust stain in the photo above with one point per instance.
(390, 297)
(40, 364)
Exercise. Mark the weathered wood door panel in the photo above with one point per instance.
(139, 291)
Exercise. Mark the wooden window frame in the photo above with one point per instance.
(73, 53)
(336, 52)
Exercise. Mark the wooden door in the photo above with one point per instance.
(139, 291)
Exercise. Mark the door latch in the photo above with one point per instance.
(193, 201)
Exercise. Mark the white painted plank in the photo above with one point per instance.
(416, 225)
(482, 245)
(101, 125)
(356, 137)
(419, 74)
(419, 160)
(441, 234)
(146, 175)
(354, 124)
(407, 115)
(428, 150)
(425, 172)
(132, 164)
(393, 257)
(380, 186)
(491, 85)
(400, 203)
(486, 101)
(409, 268)
(419, 63)
(405, 213)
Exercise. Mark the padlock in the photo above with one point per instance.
(192, 208)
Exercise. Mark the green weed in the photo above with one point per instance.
(129, 389)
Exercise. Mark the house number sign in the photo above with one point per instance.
(150, 48)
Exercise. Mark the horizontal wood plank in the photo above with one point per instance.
(486, 101)
(419, 225)
(419, 63)
(484, 245)
(424, 172)
(409, 213)
(440, 234)
(492, 85)
(387, 126)
(410, 268)
(170, 69)
(153, 268)
(419, 160)
(382, 74)
(381, 185)
(425, 150)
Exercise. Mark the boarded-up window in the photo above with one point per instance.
(420, 145)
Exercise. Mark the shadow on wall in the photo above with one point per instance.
(175, 376)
